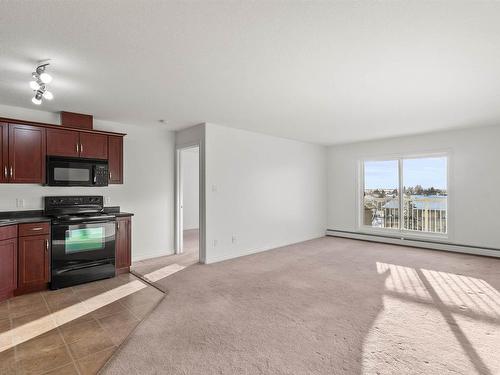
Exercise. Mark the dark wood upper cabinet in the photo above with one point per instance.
(24, 146)
(27, 151)
(8, 261)
(115, 159)
(123, 243)
(77, 120)
(63, 143)
(94, 146)
(34, 266)
(4, 152)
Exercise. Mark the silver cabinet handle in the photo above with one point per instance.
(5, 173)
(37, 228)
(118, 225)
(77, 149)
(47, 245)
(110, 175)
(11, 172)
(81, 148)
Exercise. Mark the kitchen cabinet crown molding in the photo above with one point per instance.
(55, 126)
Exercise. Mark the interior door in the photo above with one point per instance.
(27, 151)
(4, 152)
(63, 143)
(115, 159)
(93, 146)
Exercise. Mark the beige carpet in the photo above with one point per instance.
(326, 306)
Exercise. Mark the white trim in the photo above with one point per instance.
(229, 256)
(178, 198)
(472, 250)
(401, 232)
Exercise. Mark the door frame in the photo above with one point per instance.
(179, 243)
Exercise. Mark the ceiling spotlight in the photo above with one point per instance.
(45, 77)
(39, 84)
(34, 85)
(48, 95)
(37, 99)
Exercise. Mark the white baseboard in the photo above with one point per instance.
(465, 249)
(223, 257)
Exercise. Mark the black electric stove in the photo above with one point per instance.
(83, 240)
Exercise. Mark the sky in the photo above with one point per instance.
(427, 172)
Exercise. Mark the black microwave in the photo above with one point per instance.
(62, 171)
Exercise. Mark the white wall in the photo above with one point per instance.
(190, 188)
(148, 189)
(263, 190)
(473, 186)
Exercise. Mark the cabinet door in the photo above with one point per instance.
(27, 151)
(123, 242)
(93, 146)
(4, 152)
(8, 267)
(115, 159)
(34, 262)
(63, 142)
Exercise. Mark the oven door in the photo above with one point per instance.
(82, 252)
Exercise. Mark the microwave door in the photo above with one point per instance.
(69, 173)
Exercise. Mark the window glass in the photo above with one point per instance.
(381, 194)
(84, 239)
(425, 195)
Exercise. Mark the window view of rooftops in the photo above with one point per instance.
(424, 198)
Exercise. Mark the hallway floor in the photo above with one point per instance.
(164, 266)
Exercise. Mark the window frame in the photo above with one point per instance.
(401, 232)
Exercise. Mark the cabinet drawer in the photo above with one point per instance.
(8, 232)
(34, 229)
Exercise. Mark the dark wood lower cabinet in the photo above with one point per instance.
(34, 263)
(123, 244)
(25, 255)
(8, 261)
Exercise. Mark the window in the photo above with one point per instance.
(406, 194)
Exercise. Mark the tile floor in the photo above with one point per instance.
(73, 330)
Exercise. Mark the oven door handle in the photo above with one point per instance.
(77, 222)
(95, 222)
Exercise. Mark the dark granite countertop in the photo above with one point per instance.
(123, 214)
(34, 216)
(23, 220)
(21, 217)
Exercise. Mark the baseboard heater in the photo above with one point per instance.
(425, 244)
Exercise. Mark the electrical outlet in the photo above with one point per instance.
(233, 239)
(19, 202)
(214, 188)
(107, 200)
(215, 243)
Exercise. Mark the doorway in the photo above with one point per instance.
(189, 220)
(188, 230)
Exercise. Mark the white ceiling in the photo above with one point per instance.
(327, 72)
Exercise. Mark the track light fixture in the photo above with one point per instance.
(39, 83)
